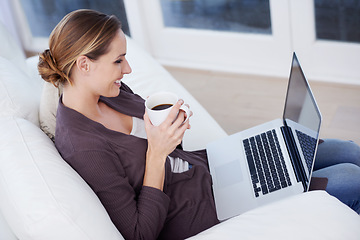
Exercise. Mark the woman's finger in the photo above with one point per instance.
(179, 126)
(174, 112)
(180, 118)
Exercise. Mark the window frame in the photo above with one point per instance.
(322, 60)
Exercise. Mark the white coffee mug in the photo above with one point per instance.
(159, 105)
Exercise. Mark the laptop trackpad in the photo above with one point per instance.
(228, 174)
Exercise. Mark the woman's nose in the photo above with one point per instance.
(127, 69)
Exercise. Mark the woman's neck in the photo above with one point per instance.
(81, 101)
(90, 106)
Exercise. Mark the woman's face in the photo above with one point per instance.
(108, 70)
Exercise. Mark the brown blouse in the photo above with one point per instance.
(113, 164)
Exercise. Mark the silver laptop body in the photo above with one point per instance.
(271, 161)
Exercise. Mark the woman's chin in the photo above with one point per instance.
(113, 93)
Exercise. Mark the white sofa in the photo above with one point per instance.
(42, 198)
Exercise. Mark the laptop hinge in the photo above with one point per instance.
(294, 156)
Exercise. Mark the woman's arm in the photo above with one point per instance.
(162, 140)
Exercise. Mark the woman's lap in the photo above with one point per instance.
(343, 183)
(339, 161)
(334, 151)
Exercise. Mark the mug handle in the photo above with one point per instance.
(186, 110)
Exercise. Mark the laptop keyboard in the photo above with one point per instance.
(266, 163)
(308, 145)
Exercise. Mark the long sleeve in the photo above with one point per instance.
(137, 216)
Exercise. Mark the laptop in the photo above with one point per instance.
(270, 161)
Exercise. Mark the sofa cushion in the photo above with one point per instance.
(311, 215)
(5, 231)
(42, 197)
(48, 106)
(19, 95)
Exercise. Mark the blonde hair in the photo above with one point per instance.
(81, 32)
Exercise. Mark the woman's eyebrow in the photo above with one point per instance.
(121, 55)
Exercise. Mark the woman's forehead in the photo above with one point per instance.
(118, 44)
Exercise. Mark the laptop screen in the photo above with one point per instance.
(302, 116)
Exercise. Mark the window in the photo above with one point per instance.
(338, 20)
(37, 18)
(220, 15)
(221, 35)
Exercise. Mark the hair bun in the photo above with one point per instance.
(48, 69)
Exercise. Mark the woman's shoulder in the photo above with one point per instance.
(75, 132)
(73, 139)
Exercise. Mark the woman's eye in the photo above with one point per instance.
(118, 61)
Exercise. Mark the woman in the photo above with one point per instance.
(150, 188)
(95, 119)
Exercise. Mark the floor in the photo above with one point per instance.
(238, 102)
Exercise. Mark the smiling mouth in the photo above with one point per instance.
(118, 82)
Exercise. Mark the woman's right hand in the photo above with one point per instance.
(162, 140)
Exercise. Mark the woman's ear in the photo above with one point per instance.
(83, 64)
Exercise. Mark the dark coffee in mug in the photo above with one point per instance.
(161, 106)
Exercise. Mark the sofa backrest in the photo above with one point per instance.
(19, 91)
(10, 50)
(19, 94)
